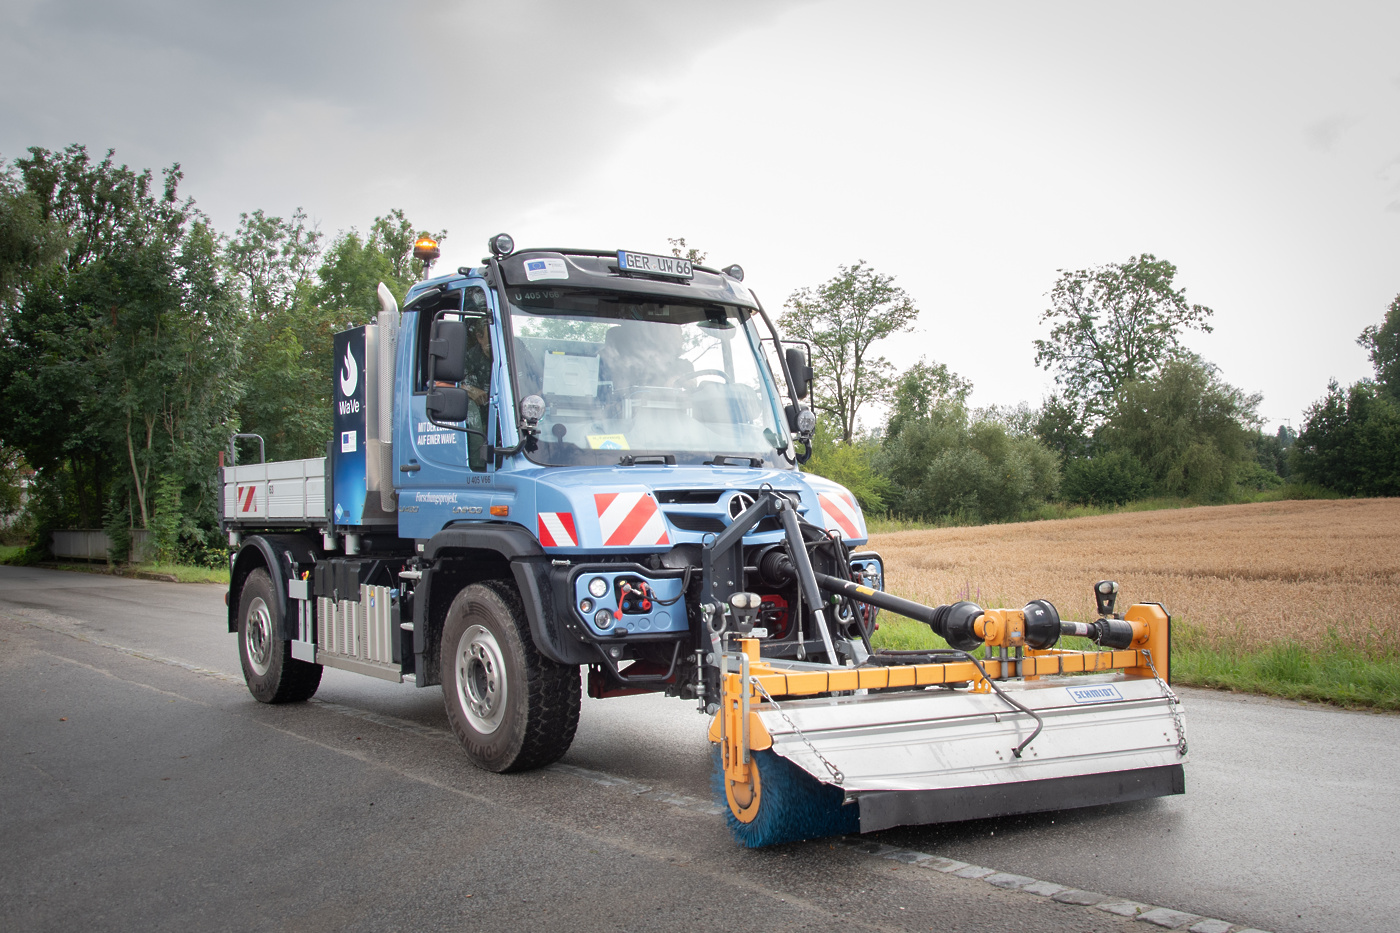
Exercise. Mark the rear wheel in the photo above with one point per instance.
(273, 675)
(511, 708)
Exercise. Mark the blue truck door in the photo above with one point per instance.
(444, 473)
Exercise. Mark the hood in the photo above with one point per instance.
(651, 508)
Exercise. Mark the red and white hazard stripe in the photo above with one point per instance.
(841, 513)
(557, 529)
(247, 503)
(630, 518)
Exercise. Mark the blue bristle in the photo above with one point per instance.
(794, 805)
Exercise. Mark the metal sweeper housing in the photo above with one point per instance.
(882, 738)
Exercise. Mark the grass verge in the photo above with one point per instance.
(180, 572)
(186, 574)
(1335, 674)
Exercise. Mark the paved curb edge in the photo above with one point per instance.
(1163, 917)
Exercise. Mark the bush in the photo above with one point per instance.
(1187, 427)
(1113, 478)
(947, 467)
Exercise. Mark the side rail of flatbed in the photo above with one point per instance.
(283, 493)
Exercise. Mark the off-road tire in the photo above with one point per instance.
(526, 706)
(272, 674)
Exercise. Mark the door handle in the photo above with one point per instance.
(410, 468)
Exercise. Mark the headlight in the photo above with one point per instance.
(598, 587)
(603, 619)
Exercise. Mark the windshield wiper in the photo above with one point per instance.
(663, 459)
(725, 460)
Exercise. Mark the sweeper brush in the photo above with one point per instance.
(1001, 722)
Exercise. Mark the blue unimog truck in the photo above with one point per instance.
(570, 461)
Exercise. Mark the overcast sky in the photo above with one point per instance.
(970, 150)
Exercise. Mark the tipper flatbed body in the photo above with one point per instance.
(572, 460)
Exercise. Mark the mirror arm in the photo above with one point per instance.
(787, 374)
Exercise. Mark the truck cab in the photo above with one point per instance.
(533, 464)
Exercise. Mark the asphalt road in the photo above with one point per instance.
(144, 788)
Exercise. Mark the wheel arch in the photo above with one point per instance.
(277, 554)
(461, 555)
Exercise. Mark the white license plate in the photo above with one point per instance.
(654, 265)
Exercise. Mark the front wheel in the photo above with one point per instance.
(511, 709)
(273, 675)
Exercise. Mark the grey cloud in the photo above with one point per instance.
(320, 93)
(1327, 132)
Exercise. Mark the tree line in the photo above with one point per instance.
(1134, 414)
(135, 338)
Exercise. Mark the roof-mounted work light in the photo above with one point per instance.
(501, 245)
(735, 272)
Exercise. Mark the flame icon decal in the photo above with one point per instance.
(350, 375)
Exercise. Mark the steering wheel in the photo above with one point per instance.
(696, 374)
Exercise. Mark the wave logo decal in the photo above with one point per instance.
(350, 375)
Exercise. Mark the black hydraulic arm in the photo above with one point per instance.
(806, 576)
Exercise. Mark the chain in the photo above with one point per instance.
(836, 774)
(1173, 705)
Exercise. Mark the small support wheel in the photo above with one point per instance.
(744, 799)
(511, 708)
(272, 674)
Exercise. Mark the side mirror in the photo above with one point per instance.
(446, 403)
(447, 353)
(800, 371)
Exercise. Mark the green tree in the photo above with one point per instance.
(353, 266)
(842, 319)
(1350, 442)
(298, 298)
(1382, 344)
(1186, 426)
(286, 338)
(119, 358)
(924, 388)
(1060, 425)
(1112, 325)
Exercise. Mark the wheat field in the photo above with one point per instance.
(1244, 576)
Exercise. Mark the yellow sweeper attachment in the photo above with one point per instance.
(804, 750)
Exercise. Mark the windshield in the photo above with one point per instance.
(623, 377)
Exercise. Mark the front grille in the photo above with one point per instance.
(686, 521)
(689, 496)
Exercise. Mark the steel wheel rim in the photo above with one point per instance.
(481, 679)
(257, 637)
